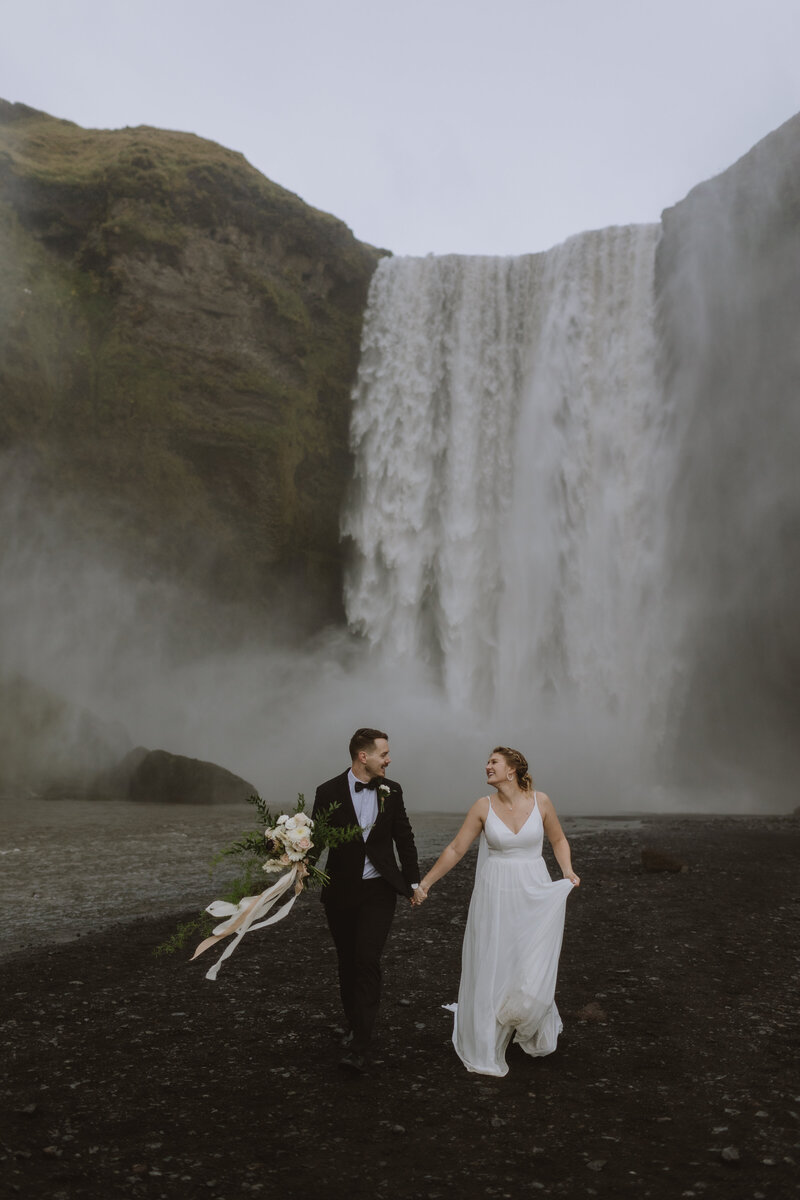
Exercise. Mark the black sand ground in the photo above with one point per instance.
(130, 1075)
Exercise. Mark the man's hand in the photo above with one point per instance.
(419, 897)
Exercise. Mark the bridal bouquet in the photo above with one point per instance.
(289, 842)
(289, 846)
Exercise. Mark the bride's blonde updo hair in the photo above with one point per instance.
(518, 763)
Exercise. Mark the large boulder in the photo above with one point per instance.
(163, 778)
(115, 782)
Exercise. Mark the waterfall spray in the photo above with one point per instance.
(505, 514)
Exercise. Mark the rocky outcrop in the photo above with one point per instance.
(178, 341)
(162, 778)
(52, 747)
(728, 289)
(660, 860)
(115, 782)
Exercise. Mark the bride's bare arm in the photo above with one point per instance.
(556, 838)
(455, 851)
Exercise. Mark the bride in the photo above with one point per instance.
(509, 960)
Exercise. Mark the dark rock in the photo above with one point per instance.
(591, 1012)
(114, 784)
(163, 778)
(248, 1052)
(727, 293)
(659, 860)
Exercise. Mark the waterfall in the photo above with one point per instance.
(504, 515)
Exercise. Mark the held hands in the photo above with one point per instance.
(419, 896)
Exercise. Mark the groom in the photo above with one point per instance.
(365, 880)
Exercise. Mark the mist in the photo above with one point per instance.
(573, 529)
(577, 497)
(145, 662)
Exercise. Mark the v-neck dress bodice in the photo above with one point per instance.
(512, 942)
(527, 841)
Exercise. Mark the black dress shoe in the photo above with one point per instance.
(354, 1063)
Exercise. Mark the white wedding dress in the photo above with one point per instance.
(509, 960)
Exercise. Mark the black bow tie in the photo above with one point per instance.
(373, 783)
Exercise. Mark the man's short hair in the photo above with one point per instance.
(364, 739)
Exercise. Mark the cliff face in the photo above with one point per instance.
(729, 295)
(178, 341)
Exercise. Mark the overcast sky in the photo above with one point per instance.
(479, 126)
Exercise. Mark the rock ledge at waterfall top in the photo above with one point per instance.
(178, 341)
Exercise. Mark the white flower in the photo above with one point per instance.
(291, 835)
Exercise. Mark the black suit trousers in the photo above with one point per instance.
(359, 932)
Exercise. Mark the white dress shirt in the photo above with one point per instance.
(365, 802)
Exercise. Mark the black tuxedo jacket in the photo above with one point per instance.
(346, 862)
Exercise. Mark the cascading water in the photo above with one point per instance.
(506, 425)
(575, 526)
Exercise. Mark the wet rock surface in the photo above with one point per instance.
(131, 1075)
(161, 777)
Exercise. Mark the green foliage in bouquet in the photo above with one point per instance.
(202, 925)
(255, 848)
(257, 852)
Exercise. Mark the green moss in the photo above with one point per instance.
(169, 322)
(283, 302)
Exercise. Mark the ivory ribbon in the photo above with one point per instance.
(245, 913)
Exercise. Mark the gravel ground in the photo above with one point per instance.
(131, 1075)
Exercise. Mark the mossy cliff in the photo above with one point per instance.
(178, 341)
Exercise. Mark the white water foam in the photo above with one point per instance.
(506, 513)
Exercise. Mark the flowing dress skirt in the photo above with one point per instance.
(512, 942)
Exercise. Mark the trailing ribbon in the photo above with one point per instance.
(246, 912)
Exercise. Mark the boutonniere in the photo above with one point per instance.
(384, 791)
